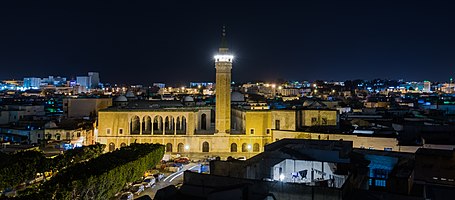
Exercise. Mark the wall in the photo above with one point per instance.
(378, 143)
(82, 107)
(330, 115)
(287, 119)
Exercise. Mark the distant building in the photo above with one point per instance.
(83, 81)
(32, 82)
(160, 85)
(426, 86)
(94, 80)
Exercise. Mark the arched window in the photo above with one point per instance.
(49, 136)
(205, 147)
(168, 147)
(111, 147)
(256, 147)
(233, 147)
(244, 147)
(169, 125)
(135, 126)
(146, 125)
(178, 127)
(123, 144)
(68, 135)
(183, 123)
(78, 134)
(166, 123)
(180, 147)
(158, 125)
(204, 122)
(57, 136)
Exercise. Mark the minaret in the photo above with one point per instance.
(223, 65)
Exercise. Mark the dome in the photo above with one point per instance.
(121, 99)
(130, 94)
(237, 97)
(188, 99)
(50, 124)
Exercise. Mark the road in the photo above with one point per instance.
(173, 179)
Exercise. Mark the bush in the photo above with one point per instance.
(102, 177)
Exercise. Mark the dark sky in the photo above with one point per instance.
(174, 41)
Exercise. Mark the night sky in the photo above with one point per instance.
(141, 42)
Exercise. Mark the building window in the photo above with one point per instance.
(314, 121)
(268, 131)
(233, 147)
(205, 147)
(39, 135)
(68, 135)
(111, 147)
(324, 121)
(78, 134)
(252, 130)
(180, 147)
(108, 131)
(277, 124)
(380, 183)
(168, 147)
(204, 122)
(244, 147)
(123, 144)
(256, 147)
(135, 125)
(120, 131)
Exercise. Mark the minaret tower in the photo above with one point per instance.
(223, 65)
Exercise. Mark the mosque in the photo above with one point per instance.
(186, 127)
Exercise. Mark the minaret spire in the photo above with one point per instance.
(223, 46)
(223, 65)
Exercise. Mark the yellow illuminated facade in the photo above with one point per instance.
(188, 129)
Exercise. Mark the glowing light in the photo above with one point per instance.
(273, 85)
(249, 146)
(314, 85)
(223, 58)
(282, 177)
(187, 147)
(279, 87)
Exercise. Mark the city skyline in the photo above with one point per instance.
(140, 43)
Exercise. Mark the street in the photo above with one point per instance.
(172, 179)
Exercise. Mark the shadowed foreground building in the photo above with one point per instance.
(303, 169)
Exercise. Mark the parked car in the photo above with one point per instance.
(148, 181)
(183, 160)
(158, 176)
(137, 189)
(241, 158)
(127, 196)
